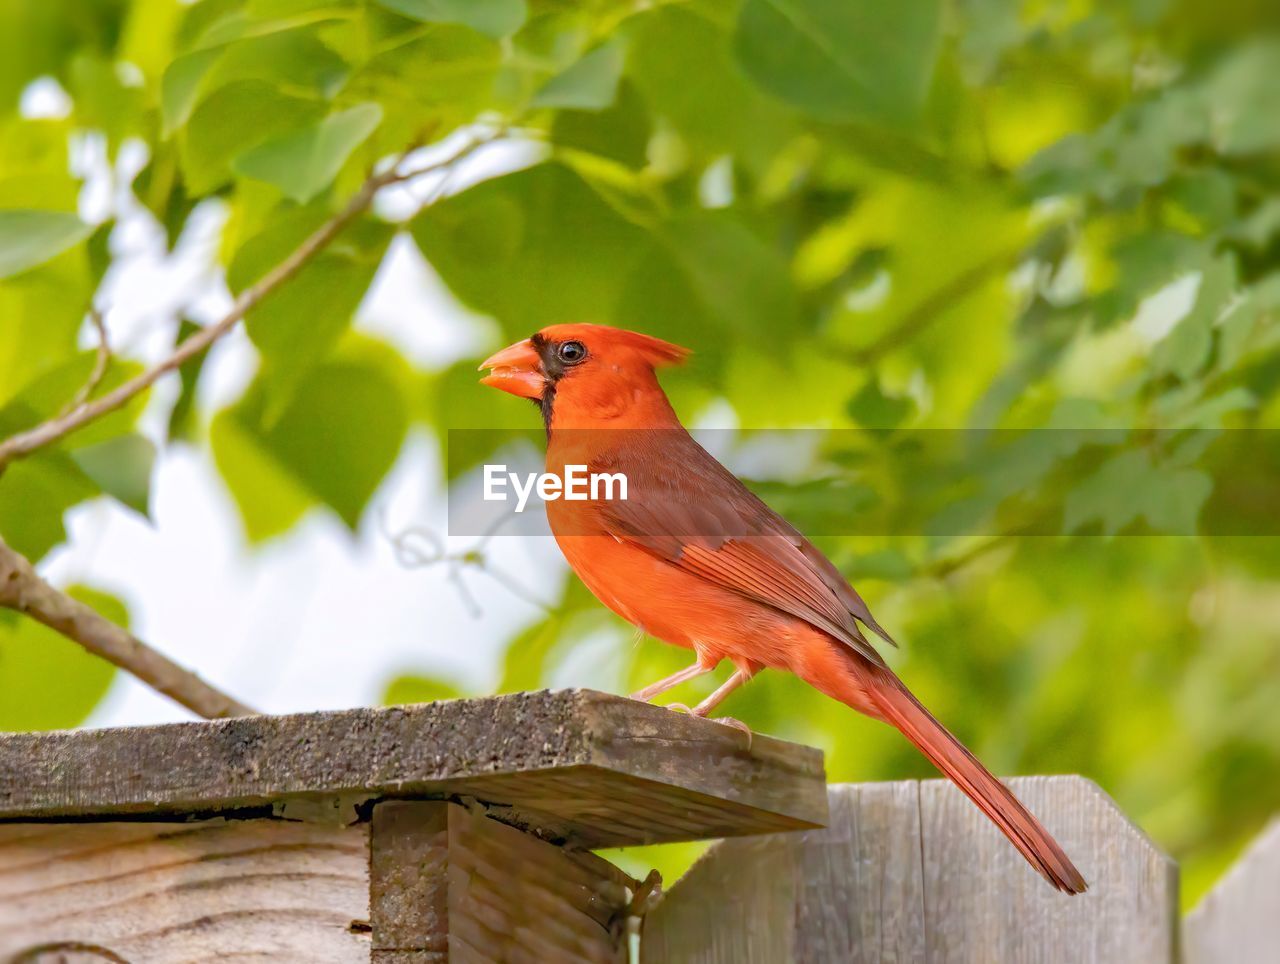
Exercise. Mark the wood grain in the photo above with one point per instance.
(985, 903)
(850, 892)
(450, 884)
(155, 893)
(408, 882)
(914, 872)
(861, 881)
(572, 765)
(1238, 922)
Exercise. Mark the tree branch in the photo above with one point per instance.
(22, 589)
(86, 411)
(100, 362)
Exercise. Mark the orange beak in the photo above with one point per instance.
(516, 369)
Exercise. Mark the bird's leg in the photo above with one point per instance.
(675, 679)
(715, 699)
(718, 697)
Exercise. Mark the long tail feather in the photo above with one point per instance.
(950, 756)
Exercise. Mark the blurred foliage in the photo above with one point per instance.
(982, 214)
(48, 682)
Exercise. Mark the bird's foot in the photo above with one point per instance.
(726, 720)
(737, 725)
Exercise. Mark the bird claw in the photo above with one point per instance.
(737, 725)
(725, 720)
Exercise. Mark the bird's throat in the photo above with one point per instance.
(546, 402)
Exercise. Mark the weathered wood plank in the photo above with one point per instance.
(851, 892)
(451, 884)
(1238, 922)
(575, 765)
(862, 881)
(914, 872)
(408, 882)
(155, 893)
(985, 903)
(734, 906)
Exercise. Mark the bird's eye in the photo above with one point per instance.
(571, 352)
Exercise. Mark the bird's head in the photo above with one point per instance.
(594, 371)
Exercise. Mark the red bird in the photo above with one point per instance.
(692, 557)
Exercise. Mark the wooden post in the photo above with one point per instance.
(488, 893)
(453, 831)
(913, 871)
(1239, 920)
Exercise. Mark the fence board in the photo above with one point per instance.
(1238, 922)
(156, 893)
(985, 903)
(913, 871)
(851, 892)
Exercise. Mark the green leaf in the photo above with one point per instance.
(413, 688)
(842, 59)
(104, 102)
(1129, 487)
(495, 18)
(670, 44)
(40, 39)
(303, 163)
(47, 682)
(181, 85)
(48, 393)
(440, 77)
(290, 55)
(1112, 495)
(35, 493)
(710, 267)
(182, 417)
(589, 84)
(1185, 350)
(233, 120)
(531, 248)
(30, 238)
(297, 326)
(872, 408)
(270, 499)
(121, 467)
(335, 440)
(1245, 106)
(35, 341)
(620, 132)
(1176, 500)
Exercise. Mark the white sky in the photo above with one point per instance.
(318, 618)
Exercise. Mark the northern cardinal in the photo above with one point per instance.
(693, 557)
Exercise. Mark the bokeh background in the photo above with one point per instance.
(891, 217)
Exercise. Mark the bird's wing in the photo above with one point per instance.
(688, 509)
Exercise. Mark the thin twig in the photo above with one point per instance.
(100, 362)
(22, 590)
(412, 556)
(47, 433)
(21, 587)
